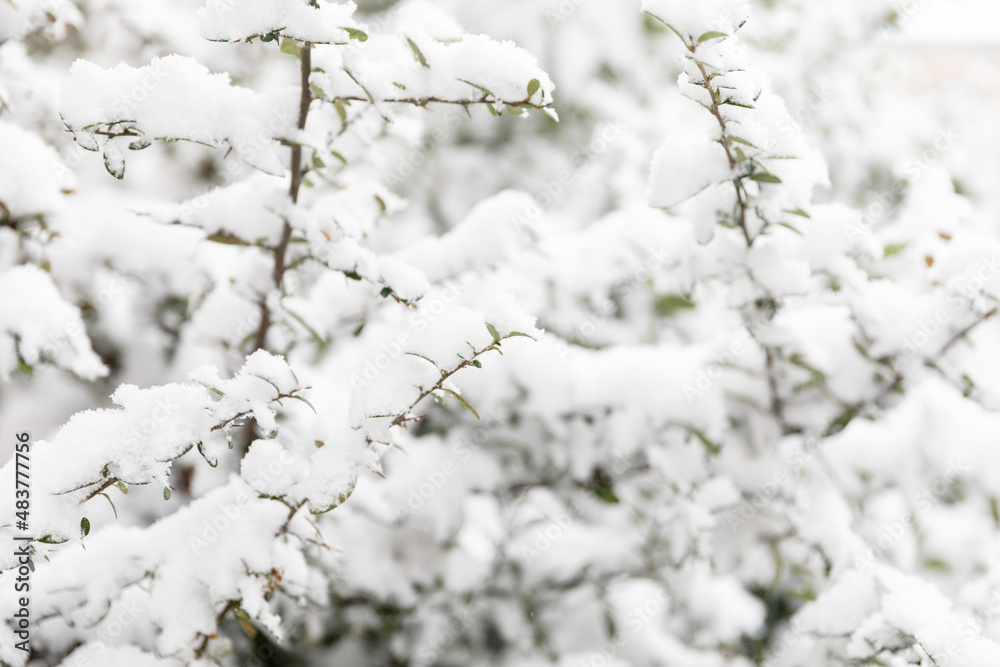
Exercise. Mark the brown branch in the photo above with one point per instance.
(714, 109)
(281, 250)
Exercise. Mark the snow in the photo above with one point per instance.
(176, 97)
(231, 21)
(386, 68)
(783, 390)
(693, 19)
(32, 178)
(39, 325)
(683, 166)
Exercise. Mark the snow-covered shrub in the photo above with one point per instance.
(757, 430)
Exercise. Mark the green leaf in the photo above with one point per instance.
(893, 249)
(605, 491)
(417, 52)
(291, 47)
(386, 291)
(764, 177)
(341, 111)
(740, 155)
(732, 138)
(840, 423)
(709, 445)
(166, 493)
(937, 564)
(87, 141)
(113, 509)
(533, 87)
(353, 275)
(354, 33)
(476, 363)
(493, 332)
(339, 156)
(300, 398)
(85, 526)
(478, 87)
(139, 144)
(31, 564)
(514, 334)
(317, 162)
(669, 304)
(225, 239)
(113, 162)
(791, 227)
(211, 462)
(121, 487)
(462, 401)
(799, 212)
(711, 34)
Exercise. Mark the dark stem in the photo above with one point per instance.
(714, 109)
(281, 250)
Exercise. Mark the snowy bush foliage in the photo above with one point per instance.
(340, 346)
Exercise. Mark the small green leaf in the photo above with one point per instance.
(291, 47)
(493, 332)
(354, 33)
(339, 156)
(533, 87)
(462, 401)
(85, 526)
(31, 564)
(711, 34)
(893, 249)
(113, 161)
(604, 490)
(139, 144)
(299, 398)
(341, 110)
(840, 423)
(478, 87)
(668, 304)
(709, 445)
(799, 212)
(317, 162)
(514, 334)
(166, 493)
(740, 155)
(211, 462)
(386, 291)
(225, 239)
(764, 177)
(416, 52)
(248, 628)
(121, 487)
(476, 363)
(113, 509)
(732, 138)
(353, 275)
(87, 141)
